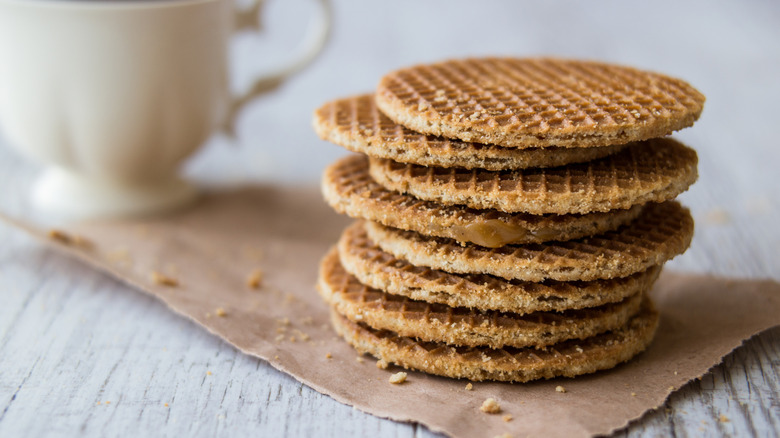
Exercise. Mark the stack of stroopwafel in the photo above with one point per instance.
(513, 214)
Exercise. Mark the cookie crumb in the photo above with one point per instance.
(328, 356)
(165, 404)
(208, 373)
(675, 373)
(560, 388)
(507, 418)
(220, 312)
(469, 387)
(398, 378)
(60, 236)
(108, 402)
(254, 279)
(671, 388)
(633, 394)
(381, 364)
(723, 419)
(503, 435)
(490, 406)
(360, 359)
(164, 280)
(276, 357)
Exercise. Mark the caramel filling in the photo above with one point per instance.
(491, 233)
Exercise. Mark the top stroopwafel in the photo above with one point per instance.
(654, 170)
(356, 124)
(538, 102)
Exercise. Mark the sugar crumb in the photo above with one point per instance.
(490, 406)
(164, 280)
(560, 388)
(254, 279)
(398, 378)
(60, 236)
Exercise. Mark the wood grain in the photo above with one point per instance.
(81, 354)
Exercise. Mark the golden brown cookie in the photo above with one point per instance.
(461, 326)
(370, 265)
(349, 189)
(656, 170)
(537, 102)
(569, 358)
(661, 232)
(356, 124)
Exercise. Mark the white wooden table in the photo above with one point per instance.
(81, 354)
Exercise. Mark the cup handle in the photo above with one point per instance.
(311, 46)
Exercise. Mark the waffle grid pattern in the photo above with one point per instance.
(538, 102)
(348, 188)
(462, 326)
(568, 358)
(376, 268)
(358, 125)
(656, 170)
(661, 232)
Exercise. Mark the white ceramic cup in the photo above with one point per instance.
(113, 95)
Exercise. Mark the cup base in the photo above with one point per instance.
(72, 196)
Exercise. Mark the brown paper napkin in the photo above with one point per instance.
(212, 249)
